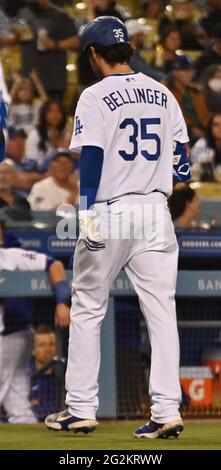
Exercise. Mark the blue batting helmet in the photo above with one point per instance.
(105, 31)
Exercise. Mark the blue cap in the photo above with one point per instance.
(14, 132)
(105, 31)
(181, 62)
(54, 155)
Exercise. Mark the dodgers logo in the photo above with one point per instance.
(78, 126)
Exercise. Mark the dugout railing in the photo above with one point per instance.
(125, 353)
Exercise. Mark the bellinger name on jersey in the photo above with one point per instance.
(135, 95)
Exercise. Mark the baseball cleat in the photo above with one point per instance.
(64, 421)
(154, 430)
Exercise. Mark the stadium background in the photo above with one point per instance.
(126, 352)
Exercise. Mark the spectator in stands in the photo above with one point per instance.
(24, 108)
(212, 55)
(151, 9)
(212, 17)
(46, 137)
(16, 337)
(16, 144)
(201, 35)
(25, 170)
(212, 88)
(10, 178)
(9, 199)
(45, 387)
(206, 153)
(60, 187)
(64, 143)
(165, 51)
(7, 170)
(137, 33)
(183, 15)
(184, 206)
(7, 36)
(53, 33)
(106, 8)
(17, 175)
(190, 99)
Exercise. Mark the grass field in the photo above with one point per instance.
(109, 436)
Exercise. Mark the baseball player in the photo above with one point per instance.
(126, 126)
(16, 340)
(3, 115)
(5, 168)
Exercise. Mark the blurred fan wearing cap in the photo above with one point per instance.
(16, 132)
(137, 32)
(61, 186)
(190, 98)
(181, 62)
(25, 172)
(12, 206)
(54, 155)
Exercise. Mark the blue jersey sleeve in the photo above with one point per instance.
(91, 162)
(3, 125)
(2, 145)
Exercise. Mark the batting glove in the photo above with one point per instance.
(89, 231)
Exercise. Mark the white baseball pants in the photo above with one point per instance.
(151, 265)
(15, 354)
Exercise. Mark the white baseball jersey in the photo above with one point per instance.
(12, 259)
(16, 348)
(135, 120)
(3, 87)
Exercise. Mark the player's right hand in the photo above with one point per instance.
(89, 231)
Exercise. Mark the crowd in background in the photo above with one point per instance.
(176, 42)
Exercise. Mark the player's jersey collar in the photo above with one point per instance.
(121, 74)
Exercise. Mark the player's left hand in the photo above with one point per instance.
(62, 315)
(89, 231)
